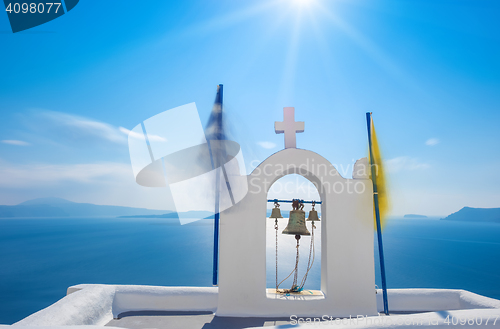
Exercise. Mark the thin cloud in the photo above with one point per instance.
(15, 142)
(106, 183)
(404, 163)
(266, 145)
(36, 175)
(76, 127)
(151, 138)
(432, 142)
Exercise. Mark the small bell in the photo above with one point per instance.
(276, 213)
(297, 221)
(313, 214)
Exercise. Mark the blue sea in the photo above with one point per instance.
(41, 258)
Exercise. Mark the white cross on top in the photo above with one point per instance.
(289, 127)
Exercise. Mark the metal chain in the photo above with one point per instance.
(276, 228)
(311, 250)
(294, 284)
(285, 291)
(309, 263)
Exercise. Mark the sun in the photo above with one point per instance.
(303, 2)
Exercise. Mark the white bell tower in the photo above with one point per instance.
(347, 256)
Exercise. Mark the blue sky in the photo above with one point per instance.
(428, 70)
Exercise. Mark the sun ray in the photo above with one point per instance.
(375, 52)
(291, 56)
(263, 41)
(225, 21)
(327, 57)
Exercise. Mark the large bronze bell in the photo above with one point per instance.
(296, 223)
(313, 216)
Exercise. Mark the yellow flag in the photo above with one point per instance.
(380, 179)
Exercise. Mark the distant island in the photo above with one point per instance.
(191, 214)
(58, 207)
(468, 214)
(413, 216)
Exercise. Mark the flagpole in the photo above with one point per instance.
(377, 213)
(215, 276)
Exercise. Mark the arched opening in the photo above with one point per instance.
(288, 187)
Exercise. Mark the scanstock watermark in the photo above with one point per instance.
(24, 15)
(406, 320)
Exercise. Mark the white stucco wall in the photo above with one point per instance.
(97, 304)
(347, 263)
(425, 300)
(93, 305)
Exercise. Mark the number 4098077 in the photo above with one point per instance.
(32, 8)
(470, 321)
